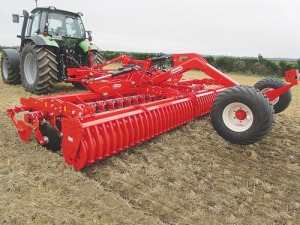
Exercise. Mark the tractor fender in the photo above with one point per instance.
(84, 45)
(41, 40)
(13, 59)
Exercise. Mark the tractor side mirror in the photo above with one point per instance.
(16, 18)
(90, 35)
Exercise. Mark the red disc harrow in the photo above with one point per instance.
(137, 102)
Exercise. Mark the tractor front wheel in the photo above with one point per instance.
(242, 115)
(9, 76)
(97, 59)
(268, 84)
(38, 68)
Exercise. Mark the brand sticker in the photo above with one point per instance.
(176, 70)
(70, 139)
(116, 86)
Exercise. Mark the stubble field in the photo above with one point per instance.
(189, 175)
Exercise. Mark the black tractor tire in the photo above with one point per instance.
(96, 56)
(9, 76)
(97, 60)
(38, 68)
(242, 115)
(281, 102)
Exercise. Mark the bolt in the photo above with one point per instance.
(46, 139)
(133, 83)
(105, 94)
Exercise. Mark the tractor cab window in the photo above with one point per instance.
(43, 21)
(65, 25)
(34, 29)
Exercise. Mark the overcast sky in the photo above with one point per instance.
(208, 27)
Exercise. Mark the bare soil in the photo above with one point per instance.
(189, 175)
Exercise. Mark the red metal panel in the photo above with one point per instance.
(106, 138)
(99, 144)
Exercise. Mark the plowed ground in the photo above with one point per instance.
(189, 175)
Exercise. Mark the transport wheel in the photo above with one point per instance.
(97, 60)
(242, 115)
(8, 75)
(268, 84)
(38, 68)
(54, 143)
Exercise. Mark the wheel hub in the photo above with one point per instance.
(237, 116)
(240, 114)
(30, 68)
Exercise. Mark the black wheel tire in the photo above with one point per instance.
(283, 101)
(38, 68)
(97, 60)
(8, 75)
(242, 115)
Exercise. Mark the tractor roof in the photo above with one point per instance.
(52, 8)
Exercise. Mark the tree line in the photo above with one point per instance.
(248, 66)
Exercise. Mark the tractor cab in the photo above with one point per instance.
(61, 26)
(56, 23)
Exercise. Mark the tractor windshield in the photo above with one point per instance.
(65, 25)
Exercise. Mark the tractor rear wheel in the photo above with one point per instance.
(268, 84)
(38, 68)
(242, 115)
(9, 76)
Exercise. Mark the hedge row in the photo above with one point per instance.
(252, 66)
(248, 66)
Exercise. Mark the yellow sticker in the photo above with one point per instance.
(147, 89)
(45, 104)
(65, 108)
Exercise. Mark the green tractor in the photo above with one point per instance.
(52, 40)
